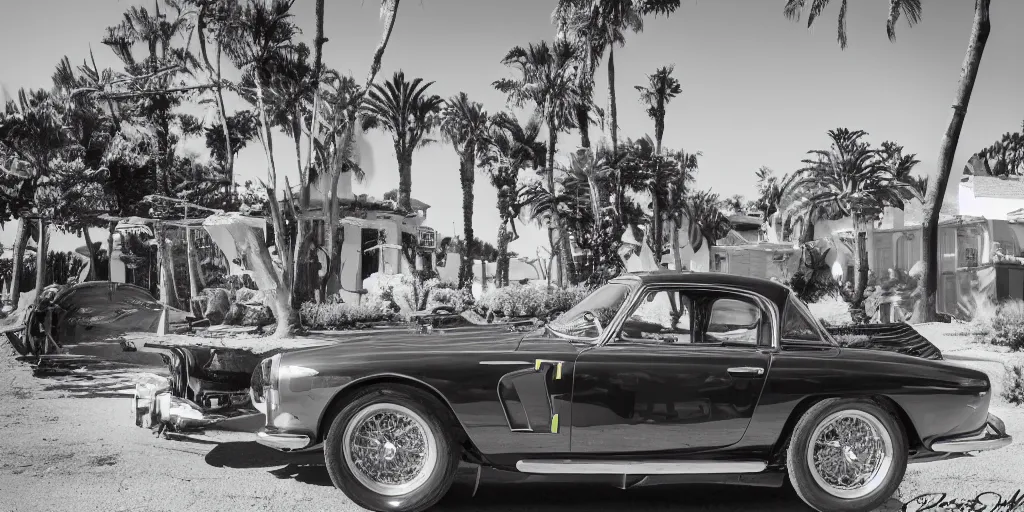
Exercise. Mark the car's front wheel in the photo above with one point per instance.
(390, 450)
(847, 456)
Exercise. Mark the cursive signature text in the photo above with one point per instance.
(984, 502)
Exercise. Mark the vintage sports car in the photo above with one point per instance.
(662, 377)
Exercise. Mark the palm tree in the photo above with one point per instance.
(911, 9)
(404, 109)
(850, 179)
(466, 125)
(606, 23)
(511, 147)
(706, 218)
(661, 89)
(676, 197)
(654, 173)
(548, 79)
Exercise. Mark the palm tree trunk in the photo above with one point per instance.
(390, 8)
(501, 279)
(583, 122)
(677, 258)
(41, 258)
(925, 309)
(214, 76)
(613, 128)
(563, 250)
(405, 181)
(466, 266)
(860, 261)
(110, 252)
(656, 230)
(193, 268)
(92, 254)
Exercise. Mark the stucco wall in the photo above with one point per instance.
(988, 207)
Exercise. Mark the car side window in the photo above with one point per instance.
(734, 321)
(797, 326)
(662, 316)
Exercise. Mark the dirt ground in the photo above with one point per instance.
(70, 443)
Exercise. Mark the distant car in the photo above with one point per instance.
(654, 378)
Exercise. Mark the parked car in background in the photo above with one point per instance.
(655, 378)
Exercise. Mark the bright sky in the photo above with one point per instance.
(757, 89)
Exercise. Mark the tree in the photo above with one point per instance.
(677, 203)
(31, 138)
(706, 218)
(911, 9)
(661, 89)
(548, 80)
(466, 125)
(404, 109)
(653, 174)
(511, 147)
(586, 178)
(264, 30)
(606, 23)
(850, 179)
(735, 204)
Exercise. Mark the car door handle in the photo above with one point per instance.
(746, 371)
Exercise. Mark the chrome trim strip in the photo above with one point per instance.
(284, 442)
(991, 438)
(595, 467)
(505, 363)
(476, 486)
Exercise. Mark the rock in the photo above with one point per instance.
(218, 305)
(234, 315)
(257, 316)
(244, 295)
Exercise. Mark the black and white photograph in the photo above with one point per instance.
(511, 255)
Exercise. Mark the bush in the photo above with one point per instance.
(1007, 325)
(1013, 389)
(531, 300)
(407, 294)
(339, 315)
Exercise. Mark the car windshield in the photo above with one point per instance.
(604, 303)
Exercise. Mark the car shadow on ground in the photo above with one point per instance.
(501, 491)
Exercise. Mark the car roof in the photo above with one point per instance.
(771, 290)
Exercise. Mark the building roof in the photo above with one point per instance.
(745, 222)
(1005, 187)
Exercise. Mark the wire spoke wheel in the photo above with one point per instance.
(850, 454)
(390, 449)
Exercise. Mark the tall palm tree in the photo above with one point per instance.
(677, 197)
(548, 80)
(511, 147)
(466, 125)
(404, 109)
(606, 23)
(850, 179)
(911, 9)
(662, 87)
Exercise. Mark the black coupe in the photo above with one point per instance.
(661, 377)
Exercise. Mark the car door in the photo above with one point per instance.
(681, 371)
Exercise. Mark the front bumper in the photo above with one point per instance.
(992, 437)
(278, 440)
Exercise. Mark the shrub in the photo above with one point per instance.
(531, 299)
(408, 294)
(1007, 325)
(1013, 389)
(339, 315)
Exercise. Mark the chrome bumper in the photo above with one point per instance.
(282, 441)
(992, 437)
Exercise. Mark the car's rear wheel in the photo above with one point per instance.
(390, 450)
(847, 455)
